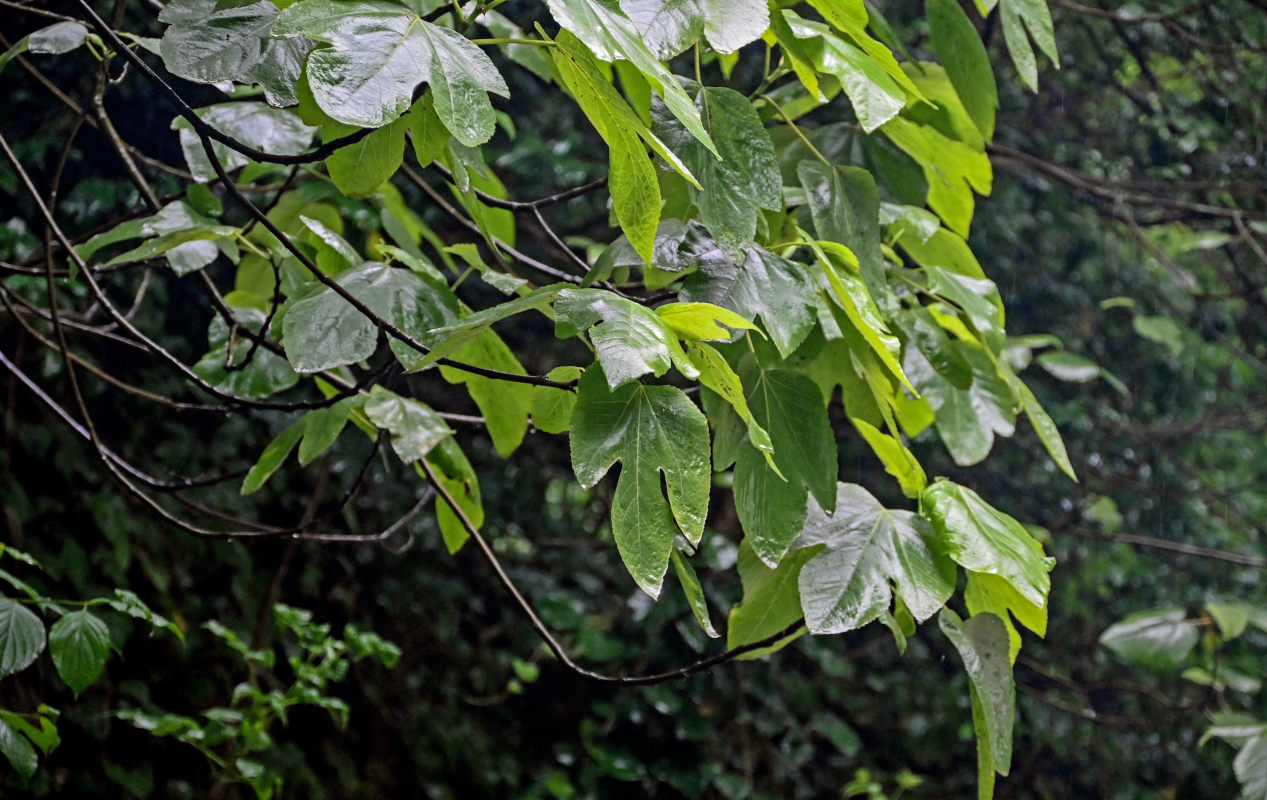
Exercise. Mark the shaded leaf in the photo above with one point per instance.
(22, 637)
(79, 643)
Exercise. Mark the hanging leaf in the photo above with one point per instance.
(414, 427)
(653, 431)
(79, 643)
(963, 55)
(1161, 639)
(694, 593)
(983, 645)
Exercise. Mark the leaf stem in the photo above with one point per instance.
(795, 129)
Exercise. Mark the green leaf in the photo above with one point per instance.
(266, 374)
(994, 595)
(505, 405)
(360, 168)
(1250, 766)
(209, 44)
(982, 643)
(980, 538)
(868, 546)
(21, 636)
(763, 285)
(79, 643)
(551, 407)
(58, 38)
(717, 374)
(44, 737)
(694, 593)
(967, 420)
(1032, 16)
(457, 476)
(898, 461)
(964, 58)
(454, 337)
(126, 602)
(630, 339)
(414, 427)
(771, 600)
(635, 191)
(850, 292)
(323, 331)
(186, 250)
(845, 207)
(731, 24)
(667, 27)
(744, 180)
(273, 130)
(611, 35)
(1232, 618)
(700, 321)
(1047, 431)
(379, 52)
(1160, 638)
(1162, 330)
(171, 218)
(19, 751)
(274, 455)
(877, 96)
(953, 170)
(323, 426)
(771, 501)
(652, 431)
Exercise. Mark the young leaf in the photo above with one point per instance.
(847, 585)
(981, 538)
(505, 405)
(459, 478)
(651, 430)
(79, 643)
(21, 636)
(694, 593)
(994, 595)
(360, 168)
(274, 455)
(963, 55)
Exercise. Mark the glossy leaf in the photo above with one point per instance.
(378, 54)
(845, 207)
(21, 755)
(764, 285)
(653, 431)
(980, 538)
(610, 35)
(414, 427)
(667, 27)
(994, 595)
(876, 95)
(630, 339)
(265, 375)
(324, 330)
(209, 44)
(79, 643)
(273, 130)
(868, 546)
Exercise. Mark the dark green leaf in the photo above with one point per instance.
(360, 168)
(21, 636)
(845, 207)
(963, 56)
(651, 430)
(273, 456)
(79, 643)
(18, 750)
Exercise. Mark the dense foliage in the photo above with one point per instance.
(743, 286)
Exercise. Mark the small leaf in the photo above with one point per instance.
(699, 321)
(79, 643)
(694, 593)
(414, 427)
(22, 637)
(771, 600)
(274, 456)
